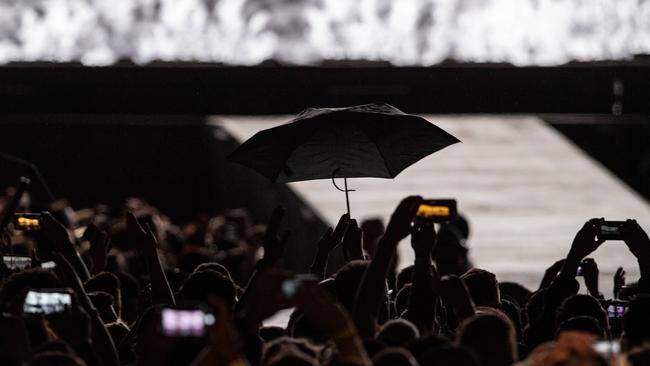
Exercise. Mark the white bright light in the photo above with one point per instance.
(405, 32)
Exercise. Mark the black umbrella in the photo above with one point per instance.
(372, 140)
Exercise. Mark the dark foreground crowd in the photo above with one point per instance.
(146, 292)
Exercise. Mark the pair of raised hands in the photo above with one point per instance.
(587, 241)
(348, 234)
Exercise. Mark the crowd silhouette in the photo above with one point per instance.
(129, 287)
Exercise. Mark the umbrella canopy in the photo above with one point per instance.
(372, 140)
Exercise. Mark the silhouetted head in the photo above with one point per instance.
(394, 356)
(571, 348)
(583, 323)
(450, 253)
(347, 281)
(461, 225)
(483, 287)
(109, 283)
(491, 336)
(516, 292)
(397, 332)
(636, 321)
(372, 229)
(200, 286)
(582, 305)
(534, 305)
(449, 354)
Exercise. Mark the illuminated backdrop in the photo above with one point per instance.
(247, 32)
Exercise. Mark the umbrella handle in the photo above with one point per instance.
(346, 190)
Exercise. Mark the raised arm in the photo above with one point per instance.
(330, 240)
(455, 294)
(352, 241)
(147, 244)
(63, 243)
(422, 300)
(638, 242)
(564, 285)
(274, 245)
(99, 245)
(372, 290)
(101, 341)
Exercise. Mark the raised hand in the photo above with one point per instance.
(352, 241)
(330, 240)
(99, 245)
(146, 242)
(62, 242)
(454, 292)
(423, 240)
(590, 274)
(551, 273)
(399, 226)
(144, 238)
(274, 243)
(586, 240)
(619, 281)
(57, 234)
(636, 240)
(372, 293)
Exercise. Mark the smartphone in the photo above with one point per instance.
(437, 210)
(48, 265)
(291, 286)
(46, 302)
(17, 262)
(616, 309)
(27, 221)
(185, 322)
(610, 230)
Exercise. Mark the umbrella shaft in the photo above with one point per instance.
(347, 198)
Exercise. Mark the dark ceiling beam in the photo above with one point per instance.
(192, 90)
